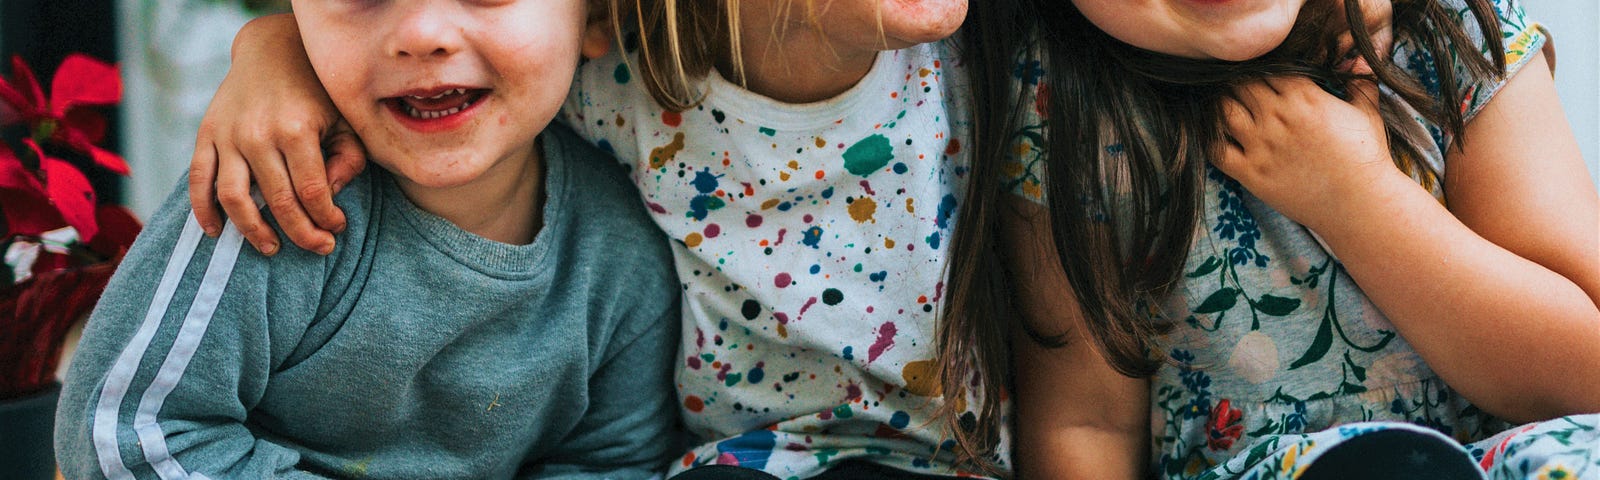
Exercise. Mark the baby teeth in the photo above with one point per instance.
(432, 114)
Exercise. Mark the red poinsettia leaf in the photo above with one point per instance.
(86, 121)
(28, 213)
(82, 80)
(8, 113)
(118, 227)
(23, 92)
(102, 157)
(71, 194)
(14, 175)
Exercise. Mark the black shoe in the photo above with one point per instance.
(1396, 455)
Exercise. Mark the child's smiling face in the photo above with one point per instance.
(1231, 30)
(442, 91)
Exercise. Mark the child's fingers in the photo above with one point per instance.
(272, 179)
(202, 191)
(307, 172)
(346, 156)
(233, 191)
(1254, 96)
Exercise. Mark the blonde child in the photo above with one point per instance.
(1218, 195)
(808, 167)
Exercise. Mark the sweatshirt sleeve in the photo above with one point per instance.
(178, 352)
(628, 432)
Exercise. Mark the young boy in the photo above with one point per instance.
(499, 304)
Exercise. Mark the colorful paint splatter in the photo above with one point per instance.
(810, 243)
(1276, 348)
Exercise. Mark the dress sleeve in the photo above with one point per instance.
(1520, 38)
(176, 355)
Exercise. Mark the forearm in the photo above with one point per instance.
(1479, 314)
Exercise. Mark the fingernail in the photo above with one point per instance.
(326, 248)
(336, 187)
(270, 249)
(340, 228)
(211, 230)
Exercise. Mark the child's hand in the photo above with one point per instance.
(1303, 150)
(267, 124)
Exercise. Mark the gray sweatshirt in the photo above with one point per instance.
(415, 350)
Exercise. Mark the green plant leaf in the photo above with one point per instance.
(1218, 301)
(1276, 306)
(1319, 345)
(1206, 268)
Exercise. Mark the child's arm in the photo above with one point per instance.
(169, 391)
(1499, 292)
(629, 430)
(1076, 416)
(266, 126)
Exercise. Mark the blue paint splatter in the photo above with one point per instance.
(849, 353)
(811, 236)
(704, 181)
(750, 450)
(933, 240)
(947, 208)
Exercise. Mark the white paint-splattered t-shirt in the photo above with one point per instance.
(811, 243)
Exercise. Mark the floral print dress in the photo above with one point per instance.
(1277, 355)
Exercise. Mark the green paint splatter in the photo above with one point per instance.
(824, 455)
(733, 379)
(622, 74)
(843, 411)
(868, 155)
(767, 131)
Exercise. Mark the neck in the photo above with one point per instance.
(789, 60)
(505, 204)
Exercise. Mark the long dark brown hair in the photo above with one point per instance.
(1120, 254)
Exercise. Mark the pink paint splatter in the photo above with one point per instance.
(868, 187)
(783, 280)
(853, 391)
(938, 292)
(808, 218)
(752, 221)
(781, 231)
(699, 338)
(713, 230)
(783, 318)
(656, 207)
(809, 302)
(693, 363)
(885, 341)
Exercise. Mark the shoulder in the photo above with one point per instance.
(599, 200)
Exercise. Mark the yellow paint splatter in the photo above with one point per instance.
(888, 243)
(621, 121)
(862, 209)
(910, 208)
(770, 203)
(693, 240)
(821, 143)
(794, 165)
(924, 72)
(922, 379)
(782, 332)
(783, 176)
(659, 156)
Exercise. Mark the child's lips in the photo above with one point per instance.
(435, 111)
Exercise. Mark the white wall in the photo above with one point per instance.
(174, 54)
(1573, 24)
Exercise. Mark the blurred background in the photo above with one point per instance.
(173, 53)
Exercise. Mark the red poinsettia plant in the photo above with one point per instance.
(60, 242)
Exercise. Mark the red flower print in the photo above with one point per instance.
(1225, 426)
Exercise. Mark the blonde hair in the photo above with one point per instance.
(680, 41)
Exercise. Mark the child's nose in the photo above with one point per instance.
(424, 31)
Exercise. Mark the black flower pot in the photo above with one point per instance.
(27, 425)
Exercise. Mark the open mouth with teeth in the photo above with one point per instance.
(444, 104)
